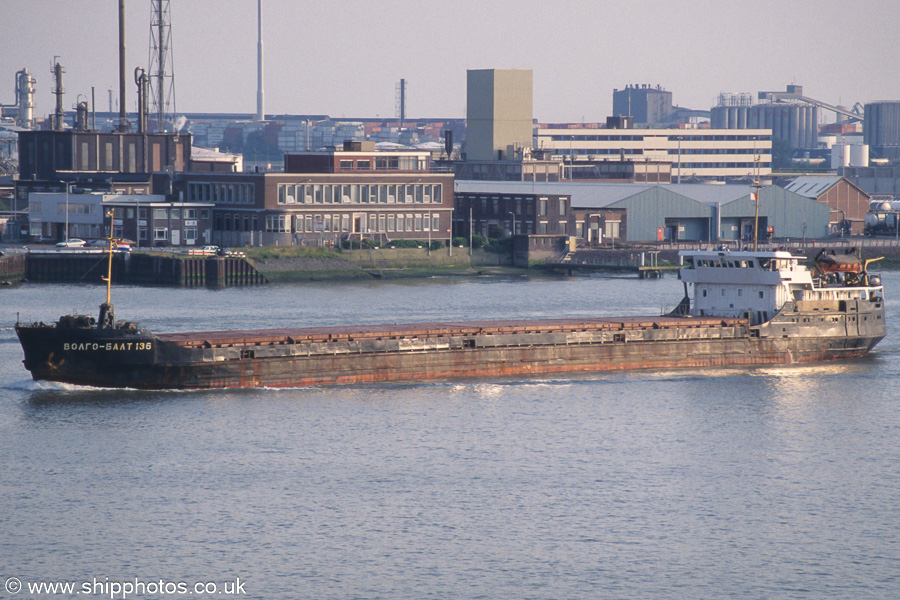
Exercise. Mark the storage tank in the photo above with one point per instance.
(840, 156)
(859, 155)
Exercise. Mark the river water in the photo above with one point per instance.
(722, 483)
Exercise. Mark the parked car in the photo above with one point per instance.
(71, 243)
(204, 250)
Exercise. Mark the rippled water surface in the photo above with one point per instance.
(731, 483)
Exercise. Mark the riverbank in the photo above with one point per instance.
(299, 264)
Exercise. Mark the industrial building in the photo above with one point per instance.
(645, 103)
(848, 202)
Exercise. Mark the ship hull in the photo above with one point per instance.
(288, 358)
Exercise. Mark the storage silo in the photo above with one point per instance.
(881, 128)
(718, 117)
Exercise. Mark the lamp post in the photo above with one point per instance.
(470, 227)
(67, 213)
(678, 180)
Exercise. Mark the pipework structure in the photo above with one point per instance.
(162, 70)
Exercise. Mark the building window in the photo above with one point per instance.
(542, 207)
(160, 234)
(363, 165)
(160, 214)
(346, 165)
(390, 223)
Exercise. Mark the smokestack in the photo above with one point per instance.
(59, 115)
(260, 97)
(123, 119)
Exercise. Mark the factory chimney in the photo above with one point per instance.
(123, 119)
(260, 97)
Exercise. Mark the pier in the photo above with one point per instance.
(644, 264)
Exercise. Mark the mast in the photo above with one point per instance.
(756, 197)
(260, 96)
(107, 317)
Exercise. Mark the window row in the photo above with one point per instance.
(354, 193)
(721, 165)
(363, 223)
(221, 193)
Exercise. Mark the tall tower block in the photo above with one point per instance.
(499, 110)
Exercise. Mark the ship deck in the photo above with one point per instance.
(257, 337)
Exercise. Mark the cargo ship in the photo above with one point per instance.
(739, 308)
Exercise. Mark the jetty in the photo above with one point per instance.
(645, 264)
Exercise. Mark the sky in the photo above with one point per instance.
(345, 58)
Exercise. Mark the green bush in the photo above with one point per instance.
(355, 244)
(436, 244)
(499, 245)
(479, 241)
(460, 241)
(404, 244)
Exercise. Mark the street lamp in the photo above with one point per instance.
(679, 160)
(67, 184)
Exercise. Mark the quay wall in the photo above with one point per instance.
(12, 268)
(143, 269)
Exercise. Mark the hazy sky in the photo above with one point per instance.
(345, 57)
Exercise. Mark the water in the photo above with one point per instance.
(733, 483)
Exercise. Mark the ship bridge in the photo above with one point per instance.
(738, 284)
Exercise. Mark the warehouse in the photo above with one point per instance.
(604, 212)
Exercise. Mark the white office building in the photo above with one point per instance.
(695, 154)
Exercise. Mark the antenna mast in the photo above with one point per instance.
(260, 95)
(756, 197)
(162, 71)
